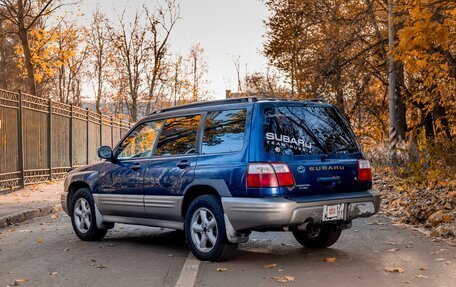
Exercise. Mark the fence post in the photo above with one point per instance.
(87, 134)
(20, 135)
(50, 137)
(112, 131)
(71, 136)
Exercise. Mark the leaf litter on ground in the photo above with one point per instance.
(330, 259)
(394, 269)
(283, 279)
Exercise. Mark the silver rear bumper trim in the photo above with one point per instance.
(247, 214)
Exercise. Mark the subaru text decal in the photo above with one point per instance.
(324, 167)
(287, 142)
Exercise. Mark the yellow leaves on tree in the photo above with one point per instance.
(50, 49)
(426, 45)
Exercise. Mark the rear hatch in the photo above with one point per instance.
(318, 145)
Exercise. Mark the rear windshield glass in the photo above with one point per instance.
(294, 130)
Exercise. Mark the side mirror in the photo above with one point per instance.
(105, 152)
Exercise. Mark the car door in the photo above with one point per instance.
(121, 181)
(171, 168)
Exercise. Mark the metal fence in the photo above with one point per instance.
(42, 139)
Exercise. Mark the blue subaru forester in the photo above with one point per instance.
(222, 169)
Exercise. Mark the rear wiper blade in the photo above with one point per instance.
(325, 156)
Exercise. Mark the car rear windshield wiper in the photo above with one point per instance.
(325, 156)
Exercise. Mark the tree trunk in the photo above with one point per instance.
(428, 124)
(339, 92)
(134, 108)
(23, 34)
(99, 87)
(28, 61)
(401, 108)
(441, 114)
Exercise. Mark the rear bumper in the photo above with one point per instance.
(247, 214)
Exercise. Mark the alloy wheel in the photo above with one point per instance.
(204, 230)
(82, 215)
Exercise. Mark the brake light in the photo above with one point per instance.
(364, 170)
(284, 175)
(269, 175)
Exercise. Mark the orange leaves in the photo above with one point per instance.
(50, 50)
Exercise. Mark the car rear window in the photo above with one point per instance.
(301, 130)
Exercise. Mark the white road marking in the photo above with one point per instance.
(187, 277)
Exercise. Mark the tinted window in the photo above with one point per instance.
(224, 131)
(178, 136)
(305, 130)
(140, 142)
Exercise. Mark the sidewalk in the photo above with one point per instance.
(29, 202)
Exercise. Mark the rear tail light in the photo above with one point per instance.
(364, 170)
(269, 175)
(284, 175)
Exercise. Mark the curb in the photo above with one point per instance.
(22, 216)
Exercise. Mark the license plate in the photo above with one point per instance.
(333, 212)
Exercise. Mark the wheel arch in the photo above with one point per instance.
(75, 186)
(194, 191)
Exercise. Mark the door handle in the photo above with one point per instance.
(136, 166)
(183, 164)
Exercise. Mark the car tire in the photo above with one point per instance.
(83, 217)
(205, 230)
(320, 236)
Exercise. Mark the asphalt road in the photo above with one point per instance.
(45, 252)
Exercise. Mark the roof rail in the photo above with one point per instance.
(209, 103)
(319, 100)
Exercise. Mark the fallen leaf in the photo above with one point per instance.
(269, 266)
(421, 276)
(39, 240)
(19, 281)
(221, 269)
(394, 269)
(330, 259)
(66, 249)
(283, 279)
(422, 268)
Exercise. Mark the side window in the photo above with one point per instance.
(140, 142)
(178, 136)
(224, 131)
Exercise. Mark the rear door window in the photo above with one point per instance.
(178, 136)
(295, 130)
(224, 131)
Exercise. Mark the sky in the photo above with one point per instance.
(225, 29)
